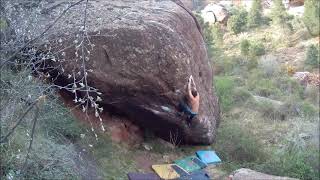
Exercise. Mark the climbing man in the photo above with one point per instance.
(190, 103)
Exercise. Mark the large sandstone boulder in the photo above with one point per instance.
(143, 52)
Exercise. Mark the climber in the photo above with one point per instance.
(189, 105)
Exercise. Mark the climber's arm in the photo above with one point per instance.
(189, 88)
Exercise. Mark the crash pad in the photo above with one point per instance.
(179, 170)
(190, 163)
(197, 175)
(143, 176)
(208, 157)
(165, 171)
(199, 162)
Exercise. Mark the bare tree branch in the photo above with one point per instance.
(18, 122)
(35, 119)
(39, 36)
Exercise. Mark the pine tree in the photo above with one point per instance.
(255, 16)
(311, 16)
(238, 21)
(279, 14)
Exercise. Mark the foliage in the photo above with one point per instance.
(312, 58)
(208, 35)
(290, 69)
(269, 65)
(255, 16)
(252, 48)
(269, 110)
(279, 14)
(293, 162)
(311, 94)
(224, 87)
(241, 95)
(37, 132)
(252, 63)
(114, 161)
(51, 156)
(244, 47)
(311, 16)
(238, 21)
(237, 144)
(308, 110)
(227, 65)
(255, 91)
(256, 49)
(217, 34)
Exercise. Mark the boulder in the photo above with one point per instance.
(188, 4)
(213, 13)
(307, 78)
(141, 56)
(248, 174)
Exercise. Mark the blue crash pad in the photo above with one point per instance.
(208, 157)
(197, 175)
(143, 176)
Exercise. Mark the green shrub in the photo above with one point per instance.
(262, 86)
(52, 155)
(312, 58)
(244, 47)
(256, 49)
(308, 110)
(236, 144)
(226, 65)
(255, 16)
(302, 164)
(113, 160)
(269, 110)
(288, 86)
(241, 95)
(224, 86)
(252, 63)
(311, 16)
(311, 94)
(279, 14)
(238, 21)
(269, 65)
(217, 34)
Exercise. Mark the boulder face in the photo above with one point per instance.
(142, 55)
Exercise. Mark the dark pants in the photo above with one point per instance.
(185, 109)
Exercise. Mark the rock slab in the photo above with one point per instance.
(248, 174)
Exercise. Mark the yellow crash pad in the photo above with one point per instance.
(165, 171)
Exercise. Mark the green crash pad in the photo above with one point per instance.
(190, 163)
(197, 175)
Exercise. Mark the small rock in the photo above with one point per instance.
(146, 146)
(166, 158)
(304, 136)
